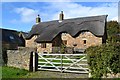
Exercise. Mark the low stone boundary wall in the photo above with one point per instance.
(21, 58)
(1, 57)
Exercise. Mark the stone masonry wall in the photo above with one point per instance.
(91, 40)
(1, 58)
(20, 58)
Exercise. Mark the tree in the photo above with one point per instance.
(113, 29)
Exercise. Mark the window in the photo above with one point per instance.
(64, 34)
(43, 45)
(84, 41)
(65, 42)
(82, 33)
(11, 37)
(36, 36)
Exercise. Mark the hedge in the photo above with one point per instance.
(104, 59)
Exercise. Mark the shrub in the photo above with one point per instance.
(104, 59)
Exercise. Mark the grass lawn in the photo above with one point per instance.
(10, 72)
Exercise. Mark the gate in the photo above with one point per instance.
(75, 63)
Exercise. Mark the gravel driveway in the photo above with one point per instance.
(51, 74)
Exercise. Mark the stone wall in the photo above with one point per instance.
(20, 58)
(91, 40)
(1, 58)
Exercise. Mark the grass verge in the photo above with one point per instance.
(10, 72)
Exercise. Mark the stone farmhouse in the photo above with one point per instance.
(75, 34)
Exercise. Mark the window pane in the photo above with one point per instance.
(84, 41)
(43, 45)
(65, 42)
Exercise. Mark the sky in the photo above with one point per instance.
(21, 16)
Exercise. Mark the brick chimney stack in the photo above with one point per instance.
(61, 16)
(38, 20)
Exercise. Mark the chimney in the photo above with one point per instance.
(61, 16)
(38, 20)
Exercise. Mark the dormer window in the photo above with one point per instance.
(64, 34)
(11, 37)
(36, 36)
(83, 33)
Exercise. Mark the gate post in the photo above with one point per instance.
(35, 61)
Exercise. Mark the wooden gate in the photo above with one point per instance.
(76, 63)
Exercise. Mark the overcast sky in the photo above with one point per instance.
(21, 15)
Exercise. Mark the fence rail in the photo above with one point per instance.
(75, 63)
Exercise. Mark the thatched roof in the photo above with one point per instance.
(47, 31)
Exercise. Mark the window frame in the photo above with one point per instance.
(84, 42)
(64, 42)
(43, 45)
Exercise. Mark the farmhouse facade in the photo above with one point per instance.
(75, 34)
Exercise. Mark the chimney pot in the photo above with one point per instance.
(61, 16)
(38, 20)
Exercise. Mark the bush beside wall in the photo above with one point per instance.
(104, 59)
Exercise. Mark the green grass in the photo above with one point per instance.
(10, 72)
